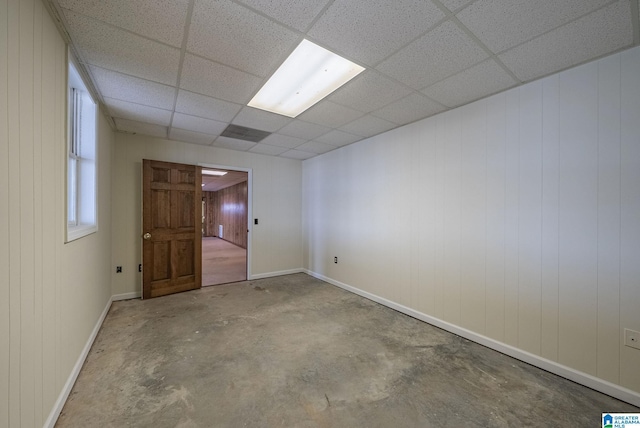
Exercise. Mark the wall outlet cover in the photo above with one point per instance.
(632, 338)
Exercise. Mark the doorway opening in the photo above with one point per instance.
(225, 213)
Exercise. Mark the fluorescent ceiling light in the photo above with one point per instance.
(212, 172)
(308, 75)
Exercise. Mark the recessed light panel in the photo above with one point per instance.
(308, 75)
(213, 172)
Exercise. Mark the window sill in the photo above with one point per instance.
(77, 232)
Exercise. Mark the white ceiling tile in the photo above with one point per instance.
(233, 144)
(587, 38)
(219, 31)
(306, 130)
(266, 149)
(369, 91)
(453, 5)
(191, 136)
(368, 32)
(207, 107)
(298, 154)
(162, 20)
(438, 54)
(119, 50)
(316, 147)
(129, 49)
(141, 128)
(128, 88)
(338, 138)
(298, 14)
(216, 80)
(409, 109)
(501, 24)
(368, 125)
(198, 124)
(137, 112)
(260, 119)
(283, 141)
(474, 83)
(330, 114)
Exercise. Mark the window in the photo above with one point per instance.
(81, 159)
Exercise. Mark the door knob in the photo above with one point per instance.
(147, 235)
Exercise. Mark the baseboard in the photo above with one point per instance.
(125, 296)
(71, 380)
(278, 273)
(582, 378)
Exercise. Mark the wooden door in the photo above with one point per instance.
(171, 228)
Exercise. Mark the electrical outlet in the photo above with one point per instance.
(335, 260)
(632, 338)
(118, 269)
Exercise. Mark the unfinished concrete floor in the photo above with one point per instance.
(294, 351)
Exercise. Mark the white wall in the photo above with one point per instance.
(516, 217)
(51, 293)
(277, 203)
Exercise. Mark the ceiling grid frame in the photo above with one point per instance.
(397, 109)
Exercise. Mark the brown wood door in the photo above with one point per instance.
(171, 228)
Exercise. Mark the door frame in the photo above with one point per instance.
(249, 172)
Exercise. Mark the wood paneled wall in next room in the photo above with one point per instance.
(227, 207)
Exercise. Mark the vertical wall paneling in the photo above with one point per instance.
(50, 195)
(210, 223)
(495, 216)
(25, 186)
(578, 217)
(5, 309)
(417, 284)
(286, 217)
(608, 297)
(549, 249)
(452, 207)
(527, 225)
(37, 211)
(15, 304)
(401, 196)
(228, 207)
(530, 217)
(472, 216)
(511, 218)
(42, 280)
(630, 215)
(424, 162)
(439, 216)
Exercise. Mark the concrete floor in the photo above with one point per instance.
(293, 351)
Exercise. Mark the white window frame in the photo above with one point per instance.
(82, 157)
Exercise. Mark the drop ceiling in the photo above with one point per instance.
(212, 183)
(185, 69)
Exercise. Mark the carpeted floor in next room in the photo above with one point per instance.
(293, 351)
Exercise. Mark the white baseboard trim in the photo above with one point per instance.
(278, 273)
(71, 380)
(582, 378)
(125, 296)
